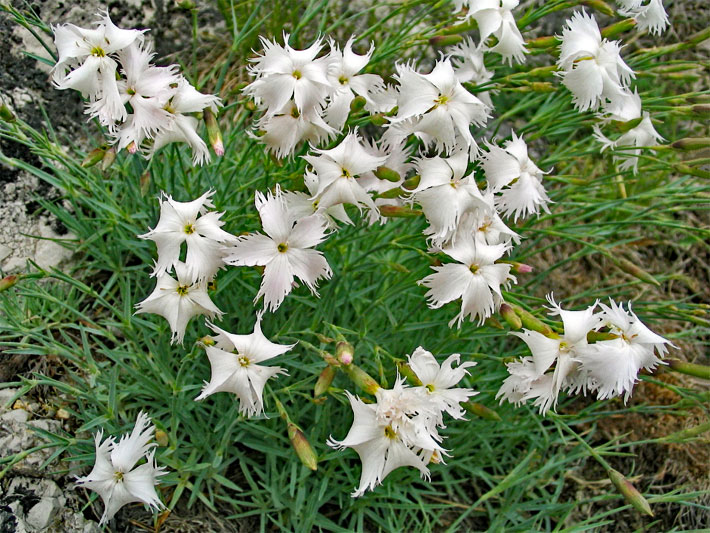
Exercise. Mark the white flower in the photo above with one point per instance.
(181, 127)
(178, 300)
(235, 367)
(652, 16)
(440, 381)
(441, 110)
(486, 224)
(284, 73)
(301, 204)
(613, 365)
(476, 279)
(467, 60)
(495, 17)
(147, 89)
(510, 172)
(115, 476)
(592, 68)
(445, 193)
(285, 129)
(337, 170)
(93, 72)
(285, 250)
(343, 75)
(179, 222)
(564, 351)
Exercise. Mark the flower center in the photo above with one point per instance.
(474, 269)
(294, 112)
(564, 347)
(342, 80)
(118, 476)
(430, 387)
(131, 91)
(189, 229)
(282, 247)
(182, 289)
(390, 433)
(243, 360)
(297, 74)
(442, 100)
(169, 108)
(346, 173)
(98, 51)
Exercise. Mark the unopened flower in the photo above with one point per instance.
(441, 111)
(179, 222)
(115, 476)
(285, 251)
(518, 181)
(476, 279)
(87, 54)
(649, 15)
(179, 300)
(495, 18)
(235, 366)
(591, 67)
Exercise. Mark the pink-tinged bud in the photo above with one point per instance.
(691, 369)
(344, 352)
(132, 147)
(388, 174)
(213, 132)
(510, 317)
(6, 114)
(303, 448)
(324, 380)
(445, 40)
(8, 281)
(94, 157)
(406, 371)
(481, 410)
(398, 211)
(108, 159)
(691, 143)
(522, 268)
(361, 378)
(629, 492)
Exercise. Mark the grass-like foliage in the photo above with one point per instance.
(610, 233)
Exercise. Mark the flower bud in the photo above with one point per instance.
(161, 437)
(324, 381)
(361, 378)
(531, 322)
(213, 132)
(398, 211)
(324, 339)
(378, 119)
(206, 341)
(302, 446)
(344, 352)
(445, 40)
(108, 159)
(691, 143)
(8, 281)
(481, 410)
(617, 29)
(629, 492)
(691, 369)
(412, 183)
(510, 317)
(597, 336)
(623, 127)
(145, 182)
(357, 104)
(132, 147)
(388, 174)
(630, 268)
(542, 42)
(406, 371)
(94, 157)
(6, 114)
(600, 6)
(701, 109)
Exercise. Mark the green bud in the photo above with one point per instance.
(8, 281)
(701, 109)
(108, 159)
(691, 369)
(481, 410)
(406, 371)
(357, 104)
(623, 127)
(94, 157)
(361, 378)
(388, 174)
(600, 6)
(6, 114)
(145, 182)
(531, 322)
(596, 336)
(631, 268)
(378, 119)
(398, 211)
(542, 42)
(629, 492)
(206, 341)
(445, 40)
(617, 29)
(324, 380)
(213, 133)
(691, 143)
(186, 4)
(509, 315)
(396, 192)
(303, 448)
(161, 437)
(412, 183)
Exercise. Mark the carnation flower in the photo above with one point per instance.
(115, 476)
(179, 300)
(650, 16)
(591, 67)
(476, 279)
(87, 54)
(285, 250)
(512, 174)
(235, 366)
(179, 222)
(495, 17)
(283, 131)
(441, 111)
(486, 225)
(467, 60)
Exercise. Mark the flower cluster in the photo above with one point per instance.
(115, 475)
(143, 106)
(401, 428)
(571, 361)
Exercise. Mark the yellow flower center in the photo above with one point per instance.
(441, 100)
(182, 289)
(430, 387)
(343, 80)
(390, 433)
(282, 247)
(189, 229)
(97, 51)
(297, 74)
(243, 360)
(474, 269)
(118, 476)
